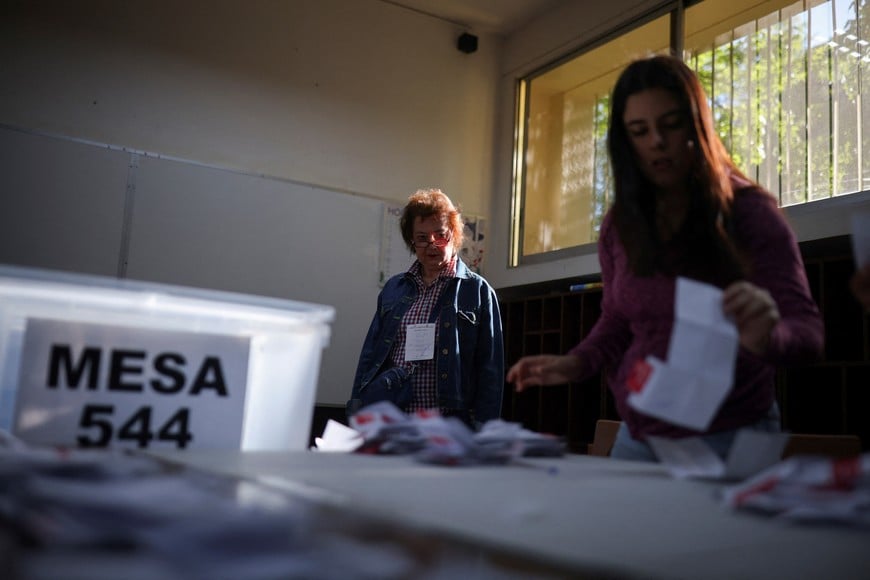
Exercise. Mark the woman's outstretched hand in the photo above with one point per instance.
(754, 312)
(544, 369)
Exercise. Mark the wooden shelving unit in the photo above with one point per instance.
(832, 396)
(552, 322)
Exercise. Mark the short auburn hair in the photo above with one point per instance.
(426, 203)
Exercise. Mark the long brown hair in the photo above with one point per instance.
(708, 218)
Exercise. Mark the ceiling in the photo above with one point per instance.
(482, 16)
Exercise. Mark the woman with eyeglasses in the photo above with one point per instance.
(682, 208)
(436, 340)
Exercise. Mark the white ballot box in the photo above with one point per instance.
(91, 361)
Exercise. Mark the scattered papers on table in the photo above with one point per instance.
(809, 489)
(533, 444)
(751, 452)
(103, 514)
(96, 511)
(432, 438)
(689, 388)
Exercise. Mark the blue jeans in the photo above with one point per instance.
(626, 447)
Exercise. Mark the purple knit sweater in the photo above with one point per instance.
(637, 316)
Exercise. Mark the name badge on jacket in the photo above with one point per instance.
(419, 341)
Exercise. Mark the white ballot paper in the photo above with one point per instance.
(338, 438)
(861, 238)
(689, 387)
(751, 452)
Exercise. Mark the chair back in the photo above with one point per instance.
(605, 436)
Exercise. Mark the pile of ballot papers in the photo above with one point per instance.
(98, 514)
(431, 438)
(809, 489)
(81, 514)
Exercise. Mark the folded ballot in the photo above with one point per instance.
(688, 389)
(337, 438)
(690, 457)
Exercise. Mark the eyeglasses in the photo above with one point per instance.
(440, 239)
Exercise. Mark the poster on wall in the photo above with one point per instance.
(473, 246)
(396, 258)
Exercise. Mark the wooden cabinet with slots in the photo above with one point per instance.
(831, 396)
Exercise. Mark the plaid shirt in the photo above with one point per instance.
(423, 377)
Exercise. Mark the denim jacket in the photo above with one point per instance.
(469, 354)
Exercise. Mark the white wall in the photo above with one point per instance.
(357, 98)
(570, 26)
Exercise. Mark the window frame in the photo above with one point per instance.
(676, 44)
(674, 8)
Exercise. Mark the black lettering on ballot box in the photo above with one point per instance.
(134, 371)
